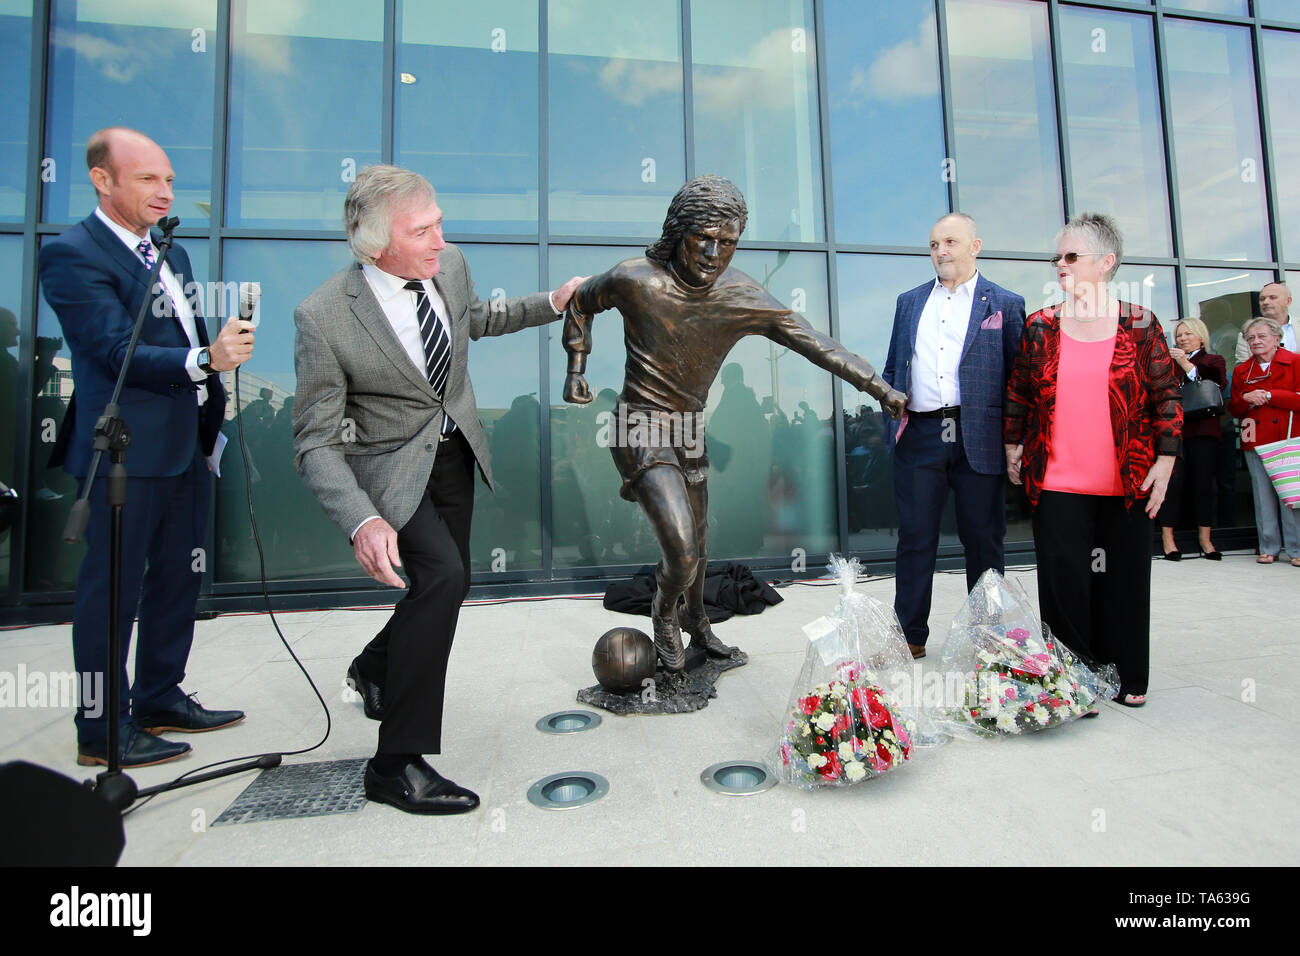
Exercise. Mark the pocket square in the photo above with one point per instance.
(994, 321)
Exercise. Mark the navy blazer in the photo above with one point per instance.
(95, 285)
(986, 359)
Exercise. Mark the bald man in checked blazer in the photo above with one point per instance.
(387, 437)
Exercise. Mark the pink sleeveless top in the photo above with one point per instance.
(1082, 460)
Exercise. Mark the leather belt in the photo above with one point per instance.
(948, 411)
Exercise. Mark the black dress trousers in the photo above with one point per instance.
(408, 658)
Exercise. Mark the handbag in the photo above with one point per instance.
(1281, 460)
(1201, 399)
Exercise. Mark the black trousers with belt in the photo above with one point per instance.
(1094, 579)
(408, 658)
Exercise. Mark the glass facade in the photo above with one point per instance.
(556, 131)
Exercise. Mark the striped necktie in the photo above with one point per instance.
(437, 347)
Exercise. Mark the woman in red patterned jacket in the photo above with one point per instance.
(1093, 417)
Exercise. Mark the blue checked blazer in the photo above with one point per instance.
(986, 359)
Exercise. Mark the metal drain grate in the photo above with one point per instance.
(300, 790)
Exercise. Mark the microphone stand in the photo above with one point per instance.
(113, 436)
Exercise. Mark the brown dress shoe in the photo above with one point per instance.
(918, 651)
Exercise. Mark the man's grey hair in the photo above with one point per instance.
(374, 197)
(1099, 233)
(1272, 325)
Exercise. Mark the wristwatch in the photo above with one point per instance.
(205, 361)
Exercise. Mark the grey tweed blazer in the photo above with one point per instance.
(366, 421)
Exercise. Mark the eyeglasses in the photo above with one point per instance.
(1072, 257)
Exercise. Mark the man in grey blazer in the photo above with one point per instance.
(386, 436)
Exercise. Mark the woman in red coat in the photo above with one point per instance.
(1265, 393)
(1092, 421)
(1202, 438)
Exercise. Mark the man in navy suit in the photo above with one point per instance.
(951, 353)
(95, 278)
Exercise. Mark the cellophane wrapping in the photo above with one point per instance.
(1015, 677)
(844, 723)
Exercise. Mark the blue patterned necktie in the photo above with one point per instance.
(437, 347)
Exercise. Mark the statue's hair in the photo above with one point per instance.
(705, 201)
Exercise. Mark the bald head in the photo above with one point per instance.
(132, 176)
(954, 244)
(1275, 302)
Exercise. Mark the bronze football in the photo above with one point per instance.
(623, 658)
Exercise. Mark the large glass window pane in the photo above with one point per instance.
(617, 147)
(298, 539)
(507, 532)
(1225, 299)
(1278, 9)
(11, 297)
(591, 524)
(465, 101)
(50, 564)
(305, 95)
(149, 65)
(1216, 141)
(15, 80)
(886, 123)
(1117, 157)
(754, 79)
(1008, 168)
(1231, 7)
(1282, 70)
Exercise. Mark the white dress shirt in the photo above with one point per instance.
(181, 306)
(940, 336)
(398, 303)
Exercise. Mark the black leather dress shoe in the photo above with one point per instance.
(189, 717)
(136, 749)
(372, 698)
(419, 789)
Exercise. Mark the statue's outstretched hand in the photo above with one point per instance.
(576, 390)
(893, 402)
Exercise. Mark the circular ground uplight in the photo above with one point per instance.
(567, 791)
(738, 778)
(568, 722)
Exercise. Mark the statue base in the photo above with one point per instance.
(669, 694)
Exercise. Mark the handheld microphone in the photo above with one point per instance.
(250, 302)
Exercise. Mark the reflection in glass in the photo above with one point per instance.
(506, 535)
(591, 524)
(300, 126)
(150, 66)
(617, 150)
(1278, 10)
(298, 539)
(886, 123)
(1117, 159)
(1007, 163)
(869, 287)
(754, 81)
(50, 564)
(1282, 70)
(465, 106)
(11, 295)
(1225, 299)
(15, 80)
(1216, 141)
(1232, 7)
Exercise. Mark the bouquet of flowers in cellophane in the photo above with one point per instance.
(843, 723)
(1018, 677)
